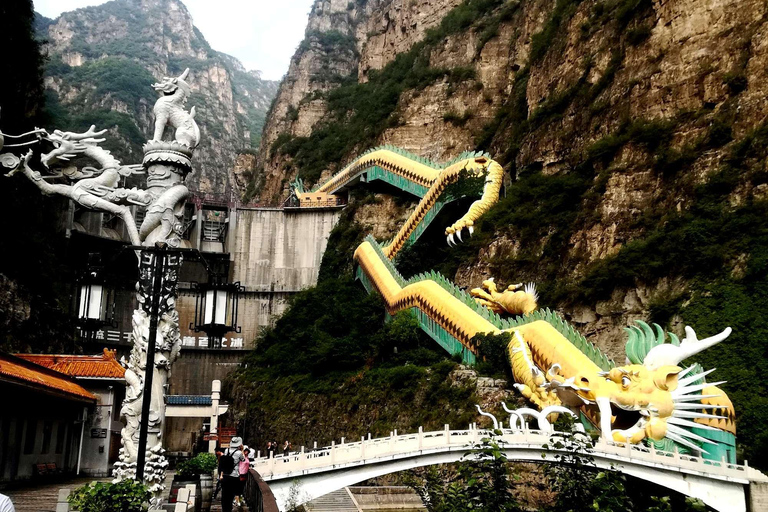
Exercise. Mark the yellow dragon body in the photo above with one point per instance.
(653, 400)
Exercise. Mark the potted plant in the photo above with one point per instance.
(198, 470)
(124, 496)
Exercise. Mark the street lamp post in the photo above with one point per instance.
(157, 280)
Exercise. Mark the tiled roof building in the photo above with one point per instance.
(103, 366)
(20, 372)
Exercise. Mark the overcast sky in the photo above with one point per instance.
(263, 34)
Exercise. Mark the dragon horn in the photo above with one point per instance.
(183, 76)
(86, 135)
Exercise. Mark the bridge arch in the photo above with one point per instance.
(719, 485)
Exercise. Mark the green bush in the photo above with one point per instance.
(124, 496)
(492, 351)
(200, 464)
(637, 35)
(457, 119)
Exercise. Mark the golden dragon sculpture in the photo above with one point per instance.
(654, 399)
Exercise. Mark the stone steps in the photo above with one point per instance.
(336, 501)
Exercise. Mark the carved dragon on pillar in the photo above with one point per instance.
(166, 165)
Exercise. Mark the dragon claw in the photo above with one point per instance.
(471, 230)
(458, 234)
(451, 242)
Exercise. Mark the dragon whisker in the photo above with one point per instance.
(683, 441)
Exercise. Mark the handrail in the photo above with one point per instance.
(258, 496)
(358, 452)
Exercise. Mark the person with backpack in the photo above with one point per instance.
(229, 472)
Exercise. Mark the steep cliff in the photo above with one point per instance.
(103, 60)
(633, 136)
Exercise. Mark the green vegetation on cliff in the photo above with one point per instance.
(331, 367)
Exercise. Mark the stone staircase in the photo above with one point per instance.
(336, 501)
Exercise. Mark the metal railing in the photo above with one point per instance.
(256, 499)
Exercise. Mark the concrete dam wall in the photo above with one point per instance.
(278, 250)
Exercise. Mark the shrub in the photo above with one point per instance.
(736, 82)
(124, 496)
(637, 35)
(457, 119)
(200, 464)
(492, 349)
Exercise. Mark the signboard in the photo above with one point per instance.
(226, 435)
(100, 433)
(211, 437)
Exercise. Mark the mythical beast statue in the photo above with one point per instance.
(653, 400)
(169, 109)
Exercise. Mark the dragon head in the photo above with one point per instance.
(67, 145)
(655, 398)
(170, 85)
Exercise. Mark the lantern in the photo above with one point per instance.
(95, 301)
(216, 309)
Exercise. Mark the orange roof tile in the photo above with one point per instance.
(100, 366)
(18, 371)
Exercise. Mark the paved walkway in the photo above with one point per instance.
(43, 497)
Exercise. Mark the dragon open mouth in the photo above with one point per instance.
(614, 418)
(623, 419)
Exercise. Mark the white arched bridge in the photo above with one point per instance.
(720, 485)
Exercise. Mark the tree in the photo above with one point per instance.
(481, 482)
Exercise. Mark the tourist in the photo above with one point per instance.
(269, 450)
(286, 448)
(5, 504)
(229, 465)
(219, 452)
(244, 467)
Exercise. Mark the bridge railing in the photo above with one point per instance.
(403, 445)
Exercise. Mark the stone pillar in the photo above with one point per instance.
(167, 164)
(215, 398)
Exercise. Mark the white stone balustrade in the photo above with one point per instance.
(717, 483)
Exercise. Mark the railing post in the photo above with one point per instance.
(333, 452)
(362, 447)
(421, 437)
(447, 434)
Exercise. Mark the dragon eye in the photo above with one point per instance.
(625, 381)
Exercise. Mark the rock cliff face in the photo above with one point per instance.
(612, 117)
(104, 59)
